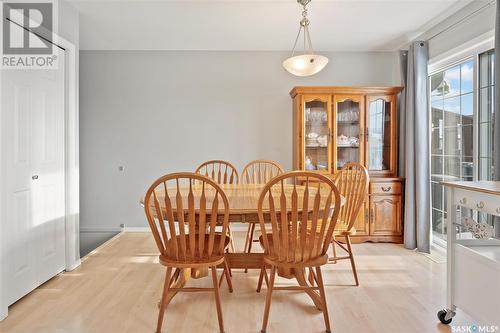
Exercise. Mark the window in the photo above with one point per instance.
(462, 131)
(486, 109)
(452, 126)
(486, 94)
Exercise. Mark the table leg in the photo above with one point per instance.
(199, 273)
(300, 275)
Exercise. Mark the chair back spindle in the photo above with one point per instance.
(287, 238)
(260, 172)
(352, 181)
(222, 172)
(183, 210)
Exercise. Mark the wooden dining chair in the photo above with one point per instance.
(287, 241)
(183, 210)
(352, 181)
(258, 172)
(222, 172)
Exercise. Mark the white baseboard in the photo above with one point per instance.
(136, 229)
(99, 229)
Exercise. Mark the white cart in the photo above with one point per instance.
(473, 267)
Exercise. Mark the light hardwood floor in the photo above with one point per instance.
(118, 286)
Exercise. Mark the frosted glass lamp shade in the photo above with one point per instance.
(305, 64)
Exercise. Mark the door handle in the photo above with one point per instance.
(34, 177)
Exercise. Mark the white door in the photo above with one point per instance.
(33, 141)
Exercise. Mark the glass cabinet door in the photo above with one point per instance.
(317, 133)
(349, 129)
(380, 133)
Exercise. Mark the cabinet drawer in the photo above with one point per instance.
(385, 188)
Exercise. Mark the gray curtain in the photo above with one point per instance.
(496, 117)
(414, 147)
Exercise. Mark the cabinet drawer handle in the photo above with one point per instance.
(463, 201)
(386, 189)
(480, 205)
(34, 177)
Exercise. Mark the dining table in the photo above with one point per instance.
(243, 200)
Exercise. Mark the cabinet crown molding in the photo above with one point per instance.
(345, 90)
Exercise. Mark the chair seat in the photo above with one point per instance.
(169, 258)
(272, 259)
(345, 232)
(340, 229)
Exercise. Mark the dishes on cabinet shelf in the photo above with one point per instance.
(314, 144)
(314, 140)
(348, 116)
(344, 141)
(315, 115)
(321, 167)
(341, 163)
(308, 164)
(322, 141)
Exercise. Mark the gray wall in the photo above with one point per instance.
(160, 112)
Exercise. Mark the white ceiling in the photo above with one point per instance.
(336, 25)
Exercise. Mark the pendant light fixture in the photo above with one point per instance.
(308, 63)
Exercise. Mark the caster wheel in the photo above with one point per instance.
(442, 315)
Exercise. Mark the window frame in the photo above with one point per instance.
(442, 62)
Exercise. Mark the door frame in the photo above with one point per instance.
(71, 168)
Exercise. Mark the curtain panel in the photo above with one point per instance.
(414, 146)
(496, 117)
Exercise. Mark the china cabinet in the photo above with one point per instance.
(333, 126)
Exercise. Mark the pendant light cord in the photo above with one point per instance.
(304, 24)
(296, 40)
